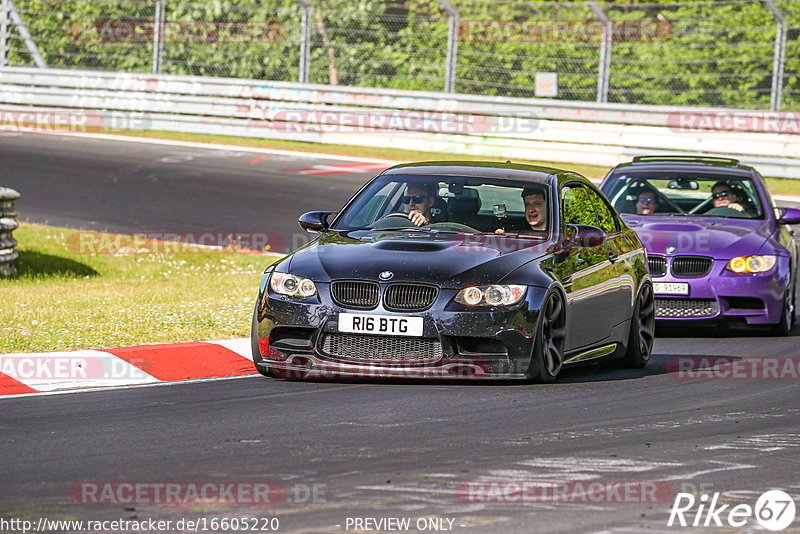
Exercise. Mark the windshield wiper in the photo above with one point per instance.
(405, 229)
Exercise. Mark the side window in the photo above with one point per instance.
(576, 206)
(605, 217)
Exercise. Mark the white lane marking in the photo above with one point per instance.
(598, 465)
(131, 386)
(52, 371)
(761, 443)
(214, 146)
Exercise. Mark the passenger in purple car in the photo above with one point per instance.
(647, 202)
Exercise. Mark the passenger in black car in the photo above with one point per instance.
(535, 209)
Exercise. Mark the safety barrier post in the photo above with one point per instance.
(452, 46)
(604, 68)
(305, 40)
(22, 28)
(158, 35)
(780, 56)
(5, 31)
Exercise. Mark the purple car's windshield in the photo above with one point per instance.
(692, 194)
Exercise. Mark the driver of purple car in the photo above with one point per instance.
(723, 196)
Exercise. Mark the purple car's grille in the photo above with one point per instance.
(409, 297)
(686, 308)
(360, 294)
(691, 266)
(382, 350)
(658, 265)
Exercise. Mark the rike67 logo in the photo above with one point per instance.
(774, 510)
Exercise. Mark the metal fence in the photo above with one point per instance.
(730, 53)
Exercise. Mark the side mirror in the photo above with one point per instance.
(583, 235)
(314, 221)
(788, 215)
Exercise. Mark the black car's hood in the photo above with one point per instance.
(707, 236)
(447, 259)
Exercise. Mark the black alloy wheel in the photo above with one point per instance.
(548, 348)
(643, 327)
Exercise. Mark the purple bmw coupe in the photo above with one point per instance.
(719, 249)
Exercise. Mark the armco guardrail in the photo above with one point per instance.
(505, 128)
(8, 223)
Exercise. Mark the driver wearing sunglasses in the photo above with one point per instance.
(724, 197)
(418, 201)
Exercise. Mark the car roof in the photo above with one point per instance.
(685, 162)
(482, 169)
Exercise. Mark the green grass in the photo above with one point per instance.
(782, 186)
(64, 299)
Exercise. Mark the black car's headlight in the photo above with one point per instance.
(494, 295)
(752, 264)
(292, 285)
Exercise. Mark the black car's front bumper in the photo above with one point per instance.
(483, 343)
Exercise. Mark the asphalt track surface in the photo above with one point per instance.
(372, 449)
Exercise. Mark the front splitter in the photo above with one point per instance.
(311, 366)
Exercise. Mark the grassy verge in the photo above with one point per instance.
(62, 299)
(781, 186)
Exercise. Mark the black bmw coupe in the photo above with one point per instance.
(458, 270)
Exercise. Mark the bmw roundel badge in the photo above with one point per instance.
(670, 250)
(386, 275)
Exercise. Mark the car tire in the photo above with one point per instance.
(785, 323)
(548, 345)
(643, 326)
(265, 371)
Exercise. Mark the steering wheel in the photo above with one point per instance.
(394, 219)
(453, 227)
(725, 211)
(701, 206)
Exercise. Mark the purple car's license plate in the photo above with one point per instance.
(671, 288)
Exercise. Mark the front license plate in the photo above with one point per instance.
(671, 288)
(390, 325)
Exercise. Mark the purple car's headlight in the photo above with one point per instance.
(752, 264)
(292, 285)
(494, 295)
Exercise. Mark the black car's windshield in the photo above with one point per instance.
(684, 193)
(449, 203)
